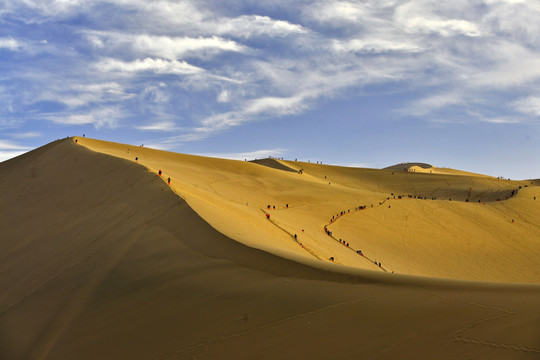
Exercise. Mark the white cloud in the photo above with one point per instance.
(216, 123)
(9, 149)
(251, 110)
(277, 105)
(442, 27)
(172, 142)
(502, 120)
(10, 43)
(154, 94)
(158, 126)
(518, 19)
(161, 46)
(422, 17)
(174, 47)
(73, 119)
(108, 88)
(178, 14)
(158, 66)
(529, 105)
(338, 11)
(25, 135)
(223, 96)
(95, 41)
(249, 155)
(99, 117)
(43, 10)
(232, 67)
(374, 46)
(434, 102)
(77, 95)
(190, 18)
(196, 135)
(248, 26)
(8, 145)
(6, 155)
(507, 64)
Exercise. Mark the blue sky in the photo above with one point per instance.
(362, 83)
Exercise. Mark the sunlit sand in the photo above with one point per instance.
(445, 225)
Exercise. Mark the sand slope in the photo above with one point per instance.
(430, 169)
(431, 231)
(99, 259)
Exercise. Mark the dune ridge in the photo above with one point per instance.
(408, 165)
(101, 260)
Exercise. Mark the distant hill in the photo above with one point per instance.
(430, 169)
(407, 166)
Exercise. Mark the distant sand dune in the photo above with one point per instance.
(407, 166)
(430, 169)
(99, 259)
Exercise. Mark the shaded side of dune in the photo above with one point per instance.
(274, 164)
(77, 200)
(99, 259)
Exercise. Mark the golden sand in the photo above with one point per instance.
(99, 259)
(452, 226)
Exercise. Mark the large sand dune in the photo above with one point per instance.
(444, 225)
(100, 259)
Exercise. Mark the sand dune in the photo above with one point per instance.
(430, 169)
(407, 166)
(444, 225)
(100, 259)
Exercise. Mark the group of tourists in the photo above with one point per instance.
(344, 212)
(328, 232)
(343, 242)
